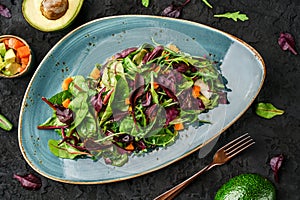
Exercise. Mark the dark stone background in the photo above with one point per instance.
(267, 18)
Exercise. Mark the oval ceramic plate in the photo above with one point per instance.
(79, 51)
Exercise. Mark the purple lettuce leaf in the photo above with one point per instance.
(125, 52)
(97, 100)
(29, 181)
(286, 42)
(275, 164)
(157, 51)
(171, 114)
(173, 10)
(64, 115)
(4, 11)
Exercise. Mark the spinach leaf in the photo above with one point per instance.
(80, 107)
(64, 150)
(127, 125)
(267, 110)
(108, 111)
(80, 84)
(60, 97)
(88, 127)
(121, 94)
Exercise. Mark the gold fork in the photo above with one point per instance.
(222, 156)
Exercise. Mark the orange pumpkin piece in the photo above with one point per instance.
(178, 126)
(66, 83)
(23, 52)
(14, 43)
(196, 91)
(66, 103)
(129, 147)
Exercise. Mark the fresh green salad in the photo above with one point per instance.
(137, 101)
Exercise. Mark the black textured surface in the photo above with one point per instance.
(267, 18)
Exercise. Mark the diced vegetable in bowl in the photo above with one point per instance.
(16, 57)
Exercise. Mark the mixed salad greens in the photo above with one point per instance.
(136, 102)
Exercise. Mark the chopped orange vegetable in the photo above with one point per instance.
(23, 51)
(66, 103)
(23, 66)
(196, 91)
(6, 43)
(14, 43)
(129, 147)
(155, 85)
(127, 102)
(24, 60)
(66, 83)
(179, 126)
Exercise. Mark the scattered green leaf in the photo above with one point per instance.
(267, 110)
(234, 16)
(5, 124)
(145, 3)
(64, 150)
(207, 3)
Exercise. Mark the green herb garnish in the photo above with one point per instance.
(234, 16)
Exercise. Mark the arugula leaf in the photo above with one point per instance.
(207, 3)
(145, 3)
(234, 16)
(267, 110)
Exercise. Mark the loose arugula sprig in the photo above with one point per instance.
(207, 3)
(234, 16)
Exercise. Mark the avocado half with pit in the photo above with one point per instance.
(50, 15)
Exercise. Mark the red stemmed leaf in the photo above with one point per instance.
(286, 42)
(275, 164)
(174, 10)
(29, 181)
(4, 11)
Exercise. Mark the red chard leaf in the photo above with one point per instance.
(4, 11)
(29, 181)
(174, 10)
(286, 42)
(275, 164)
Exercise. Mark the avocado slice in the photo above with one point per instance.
(2, 49)
(33, 12)
(10, 56)
(11, 69)
(247, 187)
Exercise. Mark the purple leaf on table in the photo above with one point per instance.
(286, 42)
(275, 164)
(4, 11)
(174, 10)
(29, 181)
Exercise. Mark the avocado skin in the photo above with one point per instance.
(247, 187)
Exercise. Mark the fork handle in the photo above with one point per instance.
(171, 193)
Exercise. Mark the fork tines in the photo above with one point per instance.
(239, 144)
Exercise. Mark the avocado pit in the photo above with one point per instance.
(54, 9)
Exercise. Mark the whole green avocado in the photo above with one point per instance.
(247, 187)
